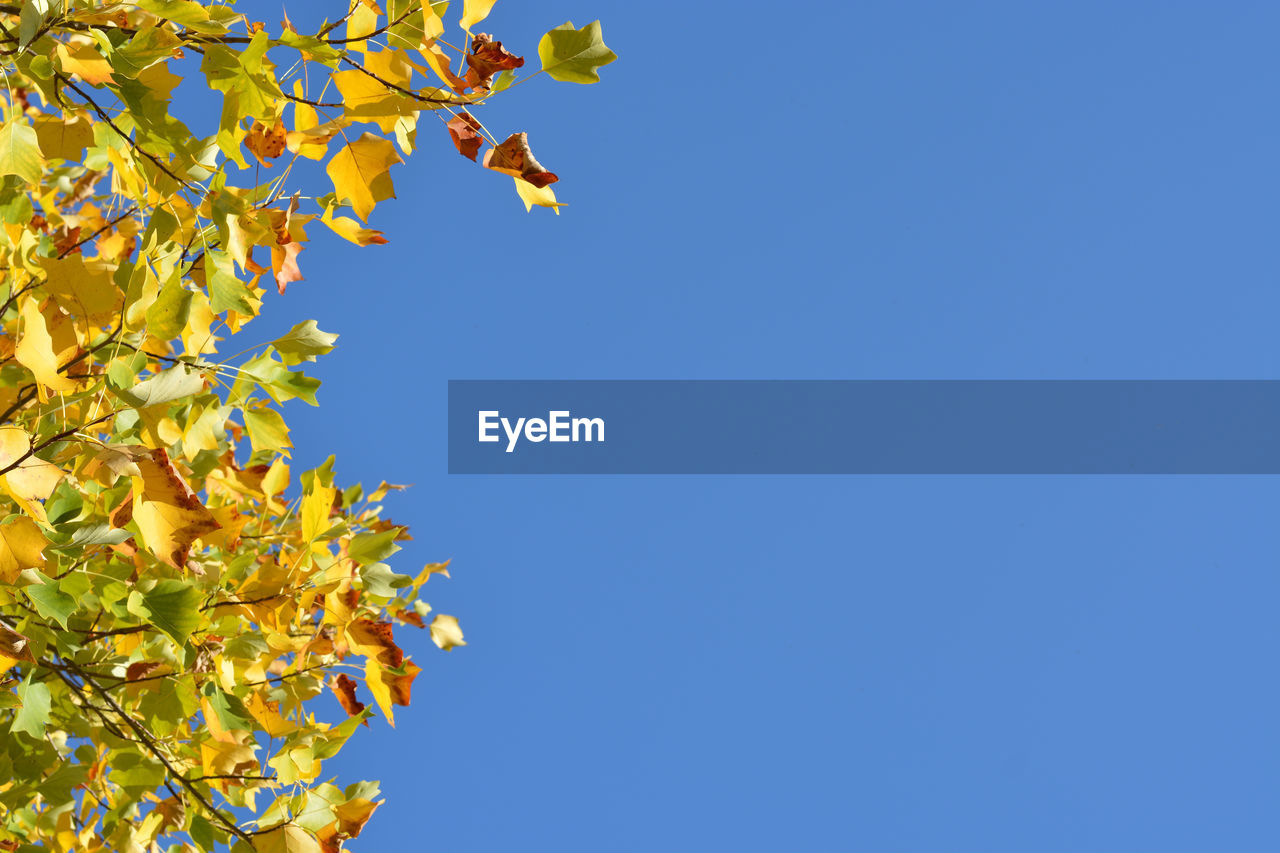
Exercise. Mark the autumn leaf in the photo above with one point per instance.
(361, 173)
(513, 157)
(22, 546)
(537, 196)
(14, 647)
(191, 590)
(486, 58)
(473, 12)
(345, 689)
(464, 129)
(286, 838)
(284, 264)
(165, 509)
(445, 632)
(349, 229)
(85, 62)
(266, 143)
(20, 150)
(30, 478)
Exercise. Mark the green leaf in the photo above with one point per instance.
(149, 46)
(505, 79)
(226, 290)
(167, 317)
(171, 384)
(34, 715)
(572, 56)
(231, 711)
(91, 534)
(304, 342)
(172, 606)
(50, 601)
(368, 548)
(20, 150)
(267, 430)
(29, 20)
(381, 582)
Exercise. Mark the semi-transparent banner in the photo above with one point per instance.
(864, 427)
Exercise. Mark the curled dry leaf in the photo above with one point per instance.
(345, 689)
(486, 58)
(513, 157)
(14, 645)
(466, 136)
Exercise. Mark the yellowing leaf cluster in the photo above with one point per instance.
(173, 594)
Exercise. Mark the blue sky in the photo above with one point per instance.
(892, 190)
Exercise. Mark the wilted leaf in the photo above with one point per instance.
(345, 689)
(486, 58)
(465, 131)
(513, 157)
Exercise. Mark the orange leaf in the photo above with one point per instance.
(266, 143)
(463, 129)
(345, 689)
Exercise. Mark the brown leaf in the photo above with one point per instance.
(513, 157)
(345, 689)
(141, 669)
(265, 143)
(123, 514)
(463, 128)
(15, 646)
(487, 58)
(373, 639)
(402, 685)
(410, 617)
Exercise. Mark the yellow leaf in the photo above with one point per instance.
(439, 62)
(360, 172)
(474, 11)
(368, 99)
(33, 478)
(363, 22)
(222, 758)
(63, 140)
(82, 289)
(277, 478)
(431, 569)
(315, 511)
(35, 350)
(168, 513)
(21, 547)
(349, 229)
(286, 838)
(268, 715)
(445, 632)
(379, 687)
(541, 196)
(84, 60)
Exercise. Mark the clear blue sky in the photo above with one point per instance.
(889, 190)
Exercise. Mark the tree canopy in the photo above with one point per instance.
(172, 595)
